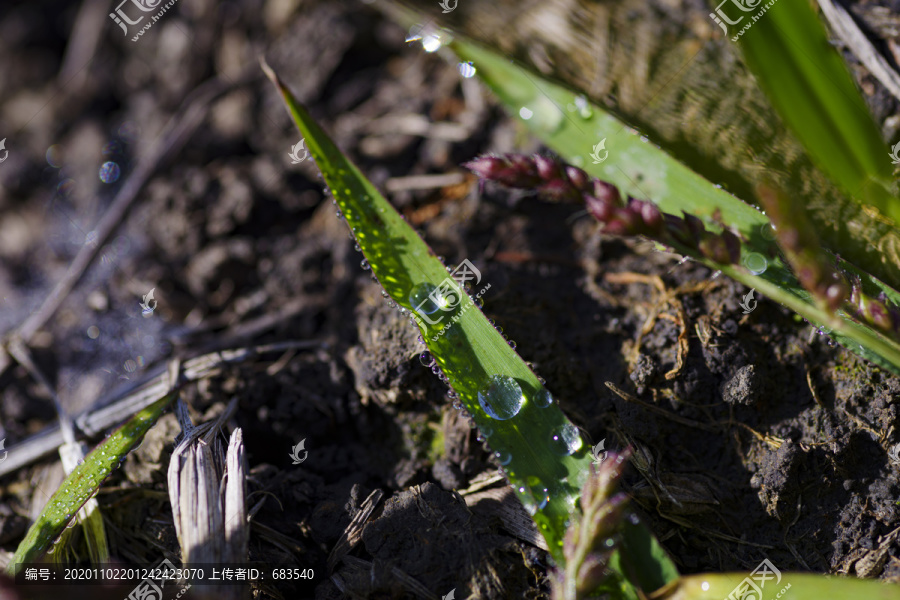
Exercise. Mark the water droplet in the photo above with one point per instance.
(431, 42)
(365, 265)
(527, 500)
(584, 108)
(525, 113)
(539, 492)
(467, 69)
(415, 33)
(109, 172)
(502, 399)
(609, 542)
(755, 262)
(565, 440)
(421, 299)
(487, 429)
(426, 359)
(543, 399)
(767, 230)
(512, 344)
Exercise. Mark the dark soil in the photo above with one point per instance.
(780, 447)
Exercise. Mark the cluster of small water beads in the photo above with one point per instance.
(501, 400)
(69, 510)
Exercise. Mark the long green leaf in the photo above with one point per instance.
(572, 127)
(543, 454)
(800, 586)
(809, 85)
(81, 484)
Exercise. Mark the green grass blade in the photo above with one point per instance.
(638, 544)
(803, 586)
(81, 484)
(809, 85)
(89, 515)
(642, 170)
(546, 474)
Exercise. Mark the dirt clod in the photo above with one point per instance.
(743, 388)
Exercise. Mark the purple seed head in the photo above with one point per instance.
(579, 179)
(486, 167)
(603, 210)
(608, 192)
(559, 190)
(547, 168)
